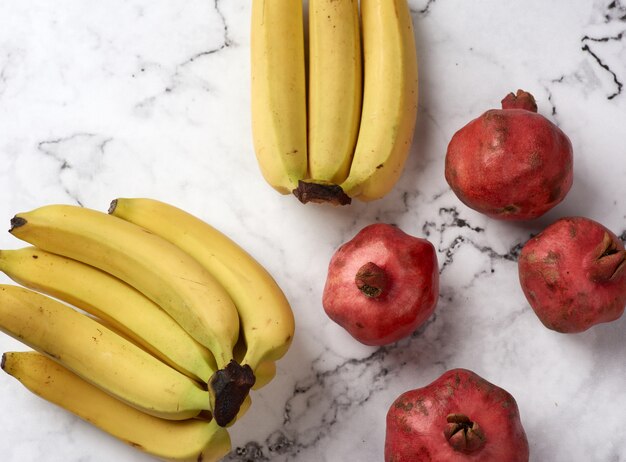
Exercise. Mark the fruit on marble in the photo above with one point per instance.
(389, 99)
(382, 284)
(510, 163)
(122, 307)
(573, 274)
(335, 87)
(360, 127)
(184, 441)
(460, 417)
(266, 318)
(161, 271)
(278, 92)
(99, 355)
(164, 289)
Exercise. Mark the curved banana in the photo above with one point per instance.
(166, 275)
(99, 355)
(389, 99)
(186, 441)
(123, 308)
(265, 315)
(335, 87)
(278, 92)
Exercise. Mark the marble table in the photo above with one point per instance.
(151, 98)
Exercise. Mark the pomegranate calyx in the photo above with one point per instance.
(609, 263)
(521, 100)
(463, 434)
(372, 280)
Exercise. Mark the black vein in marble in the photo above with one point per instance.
(327, 394)
(615, 12)
(226, 42)
(586, 48)
(425, 10)
(46, 148)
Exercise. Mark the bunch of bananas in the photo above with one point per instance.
(175, 323)
(353, 139)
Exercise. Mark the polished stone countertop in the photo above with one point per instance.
(100, 100)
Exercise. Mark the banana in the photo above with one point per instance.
(265, 315)
(335, 87)
(188, 441)
(389, 99)
(99, 355)
(278, 92)
(264, 372)
(169, 277)
(123, 308)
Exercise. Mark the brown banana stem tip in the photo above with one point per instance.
(16, 222)
(329, 193)
(230, 386)
(112, 206)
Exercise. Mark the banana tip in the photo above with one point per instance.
(318, 192)
(16, 222)
(3, 361)
(112, 206)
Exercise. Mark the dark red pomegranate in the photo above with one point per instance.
(460, 417)
(382, 284)
(573, 274)
(510, 163)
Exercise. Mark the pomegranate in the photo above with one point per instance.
(574, 275)
(510, 163)
(382, 284)
(460, 417)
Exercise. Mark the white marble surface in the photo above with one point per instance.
(150, 98)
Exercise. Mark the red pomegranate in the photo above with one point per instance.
(460, 417)
(510, 163)
(382, 284)
(574, 275)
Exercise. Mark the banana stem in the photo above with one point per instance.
(229, 388)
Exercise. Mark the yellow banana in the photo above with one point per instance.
(123, 308)
(335, 87)
(264, 372)
(188, 441)
(389, 99)
(162, 272)
(278, 92)
(265, 315)
(99, 355)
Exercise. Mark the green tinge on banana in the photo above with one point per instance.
(181, 441)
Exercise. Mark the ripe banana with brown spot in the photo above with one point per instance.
(389, 99)
(266, 318)
(182, 441)
(278, 92)
(335, 88)
(161, 271)
(120, 306)
(99, 355)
